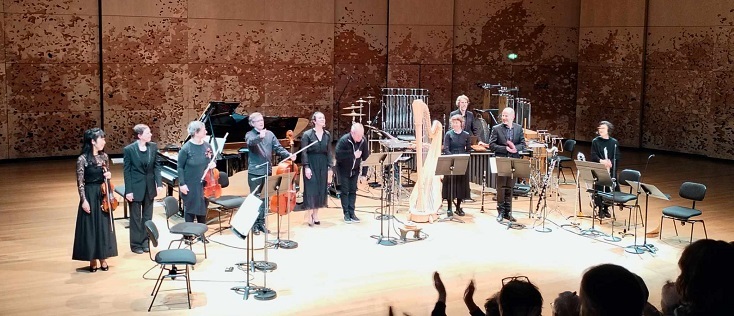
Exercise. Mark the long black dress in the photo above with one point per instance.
(193, 160)
(93, 238)
(319, 159)
(454, 143)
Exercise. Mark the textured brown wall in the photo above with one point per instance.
(580, 62)
(610, 68)
(689, 74)
(50, 76)
(690, 94)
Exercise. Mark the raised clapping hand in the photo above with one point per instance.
(357, 154)
(440, 288)
(511, 147)
(263, 132)
(469, 296)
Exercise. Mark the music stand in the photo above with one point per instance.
(274, 184)
(392, 158)
(448, 166)
(649, 190)
(513, 168)
(243, 221)
(597, 174)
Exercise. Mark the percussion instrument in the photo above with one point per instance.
(353, 107)
(353, 114)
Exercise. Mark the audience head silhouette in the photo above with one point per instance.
(611, 290)
(706, 278)
(519, 297)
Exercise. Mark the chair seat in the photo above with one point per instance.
(228, 201)
(175, 256)
(563, 158)
(188, 228)
(680, 212)
(120, 189)
(618, 197)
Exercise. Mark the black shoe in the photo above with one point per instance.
(460, 212)
(317, 222)
(105, 268)
(146, 249)
(204, 240)
(92, 269)
(354, 218)
(508, 216)
(347, 219)
(137, 250)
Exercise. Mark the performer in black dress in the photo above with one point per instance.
(317, 161)
(142, 173)
(194, 158)
(456, 141)
(605, 149)
(94, 238)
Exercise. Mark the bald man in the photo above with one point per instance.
(507, 140)
(350, 151)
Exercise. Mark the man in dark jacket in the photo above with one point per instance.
(351, 150)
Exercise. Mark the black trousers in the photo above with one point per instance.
(348, 192)
(253, 185)
(140, 211)
(199, 218)
(504, 184)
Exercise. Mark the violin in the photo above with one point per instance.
(285, 202)
(212, 189)
(109, 202)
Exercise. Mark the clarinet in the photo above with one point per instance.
(546, 180)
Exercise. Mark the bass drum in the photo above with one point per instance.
(483, 130)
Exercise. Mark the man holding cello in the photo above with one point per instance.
(261, 144)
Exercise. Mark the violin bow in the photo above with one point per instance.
(215, 152)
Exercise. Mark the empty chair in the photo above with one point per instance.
(568, 146)
(187, 230)
(225, 203)
(168, 259)
(621, 199)
(689, 191)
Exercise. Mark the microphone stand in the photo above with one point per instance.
(613, 173)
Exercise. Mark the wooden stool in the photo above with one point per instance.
(404, 231)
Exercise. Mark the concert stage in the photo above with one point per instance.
(337, 268)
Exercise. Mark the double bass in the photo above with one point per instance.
(285, 202)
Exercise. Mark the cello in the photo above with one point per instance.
(285, 202)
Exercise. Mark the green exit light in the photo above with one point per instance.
(512, 56)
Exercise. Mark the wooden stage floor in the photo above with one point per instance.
(337, 268)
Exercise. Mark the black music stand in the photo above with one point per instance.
(649, 190)
(243, 221)
(392, 158)
(448, 166)
(513, 168)
(274, 184)
(596, 174)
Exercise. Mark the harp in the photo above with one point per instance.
(425, 200)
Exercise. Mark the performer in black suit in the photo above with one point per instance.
(507, 140)
(142, 173)
(351, 150)
(462, 102)
(456, 141)
(605, 149)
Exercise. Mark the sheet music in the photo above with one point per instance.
(219, 143)
(247, 214)
(493, 164)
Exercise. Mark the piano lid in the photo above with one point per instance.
(222, 118)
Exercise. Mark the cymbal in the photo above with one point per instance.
(353, 107)
(360, 101)
(369, 97)
(353, 114)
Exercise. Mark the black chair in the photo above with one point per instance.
(690, 191)
(166, 258)
(621, 199)
(568, 146)
(225, 203)
(187, 230)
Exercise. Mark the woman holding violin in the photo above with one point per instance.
(317, 161)
(94, 238)
(194, 159)
(142, 173)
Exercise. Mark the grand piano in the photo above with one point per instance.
(220, 118)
